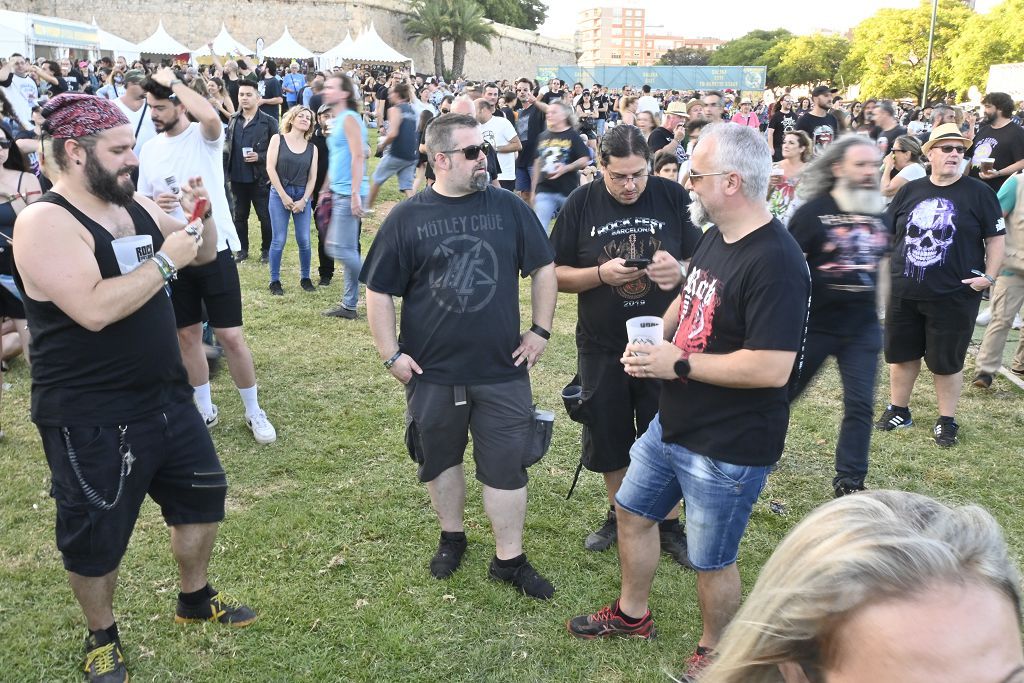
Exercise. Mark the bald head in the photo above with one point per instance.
(463, 105)
(484, 110)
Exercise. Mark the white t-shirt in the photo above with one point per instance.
(23, 94)
(909, 172)
(648, 103)
(185, 156)
(147, 131)
(498, 132)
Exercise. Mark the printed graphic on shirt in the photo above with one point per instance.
(930, 232)
(854, 244)
(630, 243)
(985, 148)
(463, 274)
(700, 300)
(788, 123)
(553, 152)
(883, 144)
(823, 136)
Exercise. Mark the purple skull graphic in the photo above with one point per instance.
(930, 232)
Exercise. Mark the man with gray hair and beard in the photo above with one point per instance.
(454, 253)
(839, 230)
(734, 339)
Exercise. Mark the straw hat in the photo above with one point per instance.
(943, 133)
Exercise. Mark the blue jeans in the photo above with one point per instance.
(343, 245)
(546, 205)
(279, 217)
(719, 496)
(856, 353)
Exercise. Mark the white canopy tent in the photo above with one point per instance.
(161, 43)
(223, 44)
(287, 47)
(370, 48)
(119, 46)
(34, 35)
(336, 55)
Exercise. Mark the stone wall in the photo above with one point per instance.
(317, 24)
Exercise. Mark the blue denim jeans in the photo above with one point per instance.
(343, 245)
(719, 496)
(546, 205)
(856, 352)
(279, 217)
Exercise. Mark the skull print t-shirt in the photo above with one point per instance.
(940, 235)
(456, 263)
(750, 294)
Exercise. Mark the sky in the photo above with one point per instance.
(741, 16)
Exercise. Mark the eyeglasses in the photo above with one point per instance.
(471, 152)
(446, 111)
(705, 175)
(5, 144)
(620, 179)
(950, 149)
(894, 150)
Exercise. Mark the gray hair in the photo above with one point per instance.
(440, 135)
(819, 177)
(567, 109)
(851, 552)
(741, 150)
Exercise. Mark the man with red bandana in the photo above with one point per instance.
(110, 396)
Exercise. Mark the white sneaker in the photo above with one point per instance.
(1017, 322)
(262, 430)
(985, 317)
(212, 419)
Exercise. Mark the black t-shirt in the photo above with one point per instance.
(529, 126)
(822, 129)
(751, 294)
(269, 89)
(1005, 145)
(593, 228)
(381, 93)
(454, 261)
(782, 122)
(886, 138)
(316, 100)
(232, 87)
(940, 236)
(842, 250)
(562, 148)
(601, 101)
(551, 95)
(658, 138)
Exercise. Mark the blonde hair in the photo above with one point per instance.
(855, 550)
(624, 102)
(288, 120)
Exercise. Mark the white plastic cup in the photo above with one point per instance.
(132, 251)
(172, 185)
(645, 329)
(246, 151)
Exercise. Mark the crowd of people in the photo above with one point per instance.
(760, 238)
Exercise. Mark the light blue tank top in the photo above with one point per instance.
(340, 157)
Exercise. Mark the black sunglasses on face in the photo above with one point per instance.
(5, 144)
(471, 152)
(950, 149)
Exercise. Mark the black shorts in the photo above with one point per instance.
(938, 331)
(499, 416)
(10, 307)
(216, 285)
(175, 463)
(509, 185)
(619, 409)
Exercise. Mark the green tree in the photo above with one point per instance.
(429, 21)
(806, 59)
(526, 14)
(889, 50)
(750, 49)
(467, 25)
(685, 56)
(984, 41)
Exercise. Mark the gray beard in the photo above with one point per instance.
(698, 212)
(479, 181)
(859, 200)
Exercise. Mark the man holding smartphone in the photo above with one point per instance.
(618, 245)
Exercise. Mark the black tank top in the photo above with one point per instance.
(128, 370)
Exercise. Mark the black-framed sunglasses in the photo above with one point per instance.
(950, 149)
(6, 143)
(471, 152)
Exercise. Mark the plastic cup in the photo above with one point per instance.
(246, 151)
(986, 164)
(172, 185)
(645, 329)
(132, 251)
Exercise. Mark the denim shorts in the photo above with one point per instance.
(405, 169)
(719, 496)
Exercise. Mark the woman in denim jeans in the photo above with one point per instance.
(349, 149)
(291, 166)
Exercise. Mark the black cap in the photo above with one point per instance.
(823, 90)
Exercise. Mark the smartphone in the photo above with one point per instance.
(199, 209)
(637, 263)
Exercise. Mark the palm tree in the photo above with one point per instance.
(430, 21)
(466, 25)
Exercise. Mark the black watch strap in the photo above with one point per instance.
(391, 361)
(540, 331)
(682, 368)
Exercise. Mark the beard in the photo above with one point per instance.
(699, 215)
(479, 180)
(108, 186)
(990, 119)
(864, 200)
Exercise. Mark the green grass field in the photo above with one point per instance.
(328, 534)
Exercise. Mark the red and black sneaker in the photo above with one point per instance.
(608, 622)
(699, 661)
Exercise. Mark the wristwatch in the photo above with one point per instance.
(391, 361)
(682, 368)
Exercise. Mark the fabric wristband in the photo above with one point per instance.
(540, 331)
(391, 361)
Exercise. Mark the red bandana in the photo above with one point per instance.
(75, 115)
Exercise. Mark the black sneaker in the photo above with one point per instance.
(673, 544)
(447, 558)
(982, 380)
(525, 578)
(307, 285)
(276, 289)
(218, 608)
(264, 257)
(341, 312)
(241, 256)
(945, 432)
(606, 622)
(894, 419)
(845, 488)
(606, 536)
(324, 281)
(104, 663)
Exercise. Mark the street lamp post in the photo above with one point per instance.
(928, 62)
